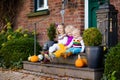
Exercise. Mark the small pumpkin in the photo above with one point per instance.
(34, 58)
(79, 62)
(85, 61)
(29, 58)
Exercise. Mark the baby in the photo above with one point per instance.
(77, 44)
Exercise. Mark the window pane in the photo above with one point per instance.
(41, 3)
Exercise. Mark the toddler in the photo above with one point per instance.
(77, 44)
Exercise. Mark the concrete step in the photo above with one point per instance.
(69, 60)
(59, 69)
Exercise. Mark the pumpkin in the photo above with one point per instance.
(29, 58)
(34, 58)
(79, 62)
(85, 61)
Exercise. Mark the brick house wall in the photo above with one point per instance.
(73, 16)
(116, 3)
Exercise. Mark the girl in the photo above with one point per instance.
(62, 39)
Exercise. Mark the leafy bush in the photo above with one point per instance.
(109, 76)
(51, 31)
(16, 46)
(18, 33)
(112, 62)
(17, 49)
(2, 39)
(92, 37)
(8, 34)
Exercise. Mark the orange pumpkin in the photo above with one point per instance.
(85, 61)
(34, 58)
(79, 62)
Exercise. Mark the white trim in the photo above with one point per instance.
(86, 14)
(44, 7)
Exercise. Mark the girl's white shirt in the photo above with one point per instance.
(62, 39)
(82, 45)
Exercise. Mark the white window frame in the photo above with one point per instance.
(86, 14)
(45, 6)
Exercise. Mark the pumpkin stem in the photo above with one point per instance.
(79, 57)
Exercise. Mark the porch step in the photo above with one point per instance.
(69, 60)
(84, 73)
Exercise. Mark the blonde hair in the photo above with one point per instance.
(69, 28)
(76, 30)
(57, 32)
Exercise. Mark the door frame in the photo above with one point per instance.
(86, 23)
(86, 9)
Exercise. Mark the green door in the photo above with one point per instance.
(93, 6)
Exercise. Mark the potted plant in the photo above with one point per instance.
(93, 38)
(51, 33)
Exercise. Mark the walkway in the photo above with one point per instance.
(27, 75)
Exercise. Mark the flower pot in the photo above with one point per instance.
(95, 56)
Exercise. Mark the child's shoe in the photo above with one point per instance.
(46, 56)
(51, 55)
(69, 54)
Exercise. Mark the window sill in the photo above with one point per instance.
(39, 13)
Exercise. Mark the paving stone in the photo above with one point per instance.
(28, 75)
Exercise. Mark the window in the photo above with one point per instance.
(41, 5)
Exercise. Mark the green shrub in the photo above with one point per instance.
(16, 46)
(109, 76)
(2, 39)
(92, 37)
(9, 34)
(17, 49)
(112, 62)
(51, 32)
(18, 33)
